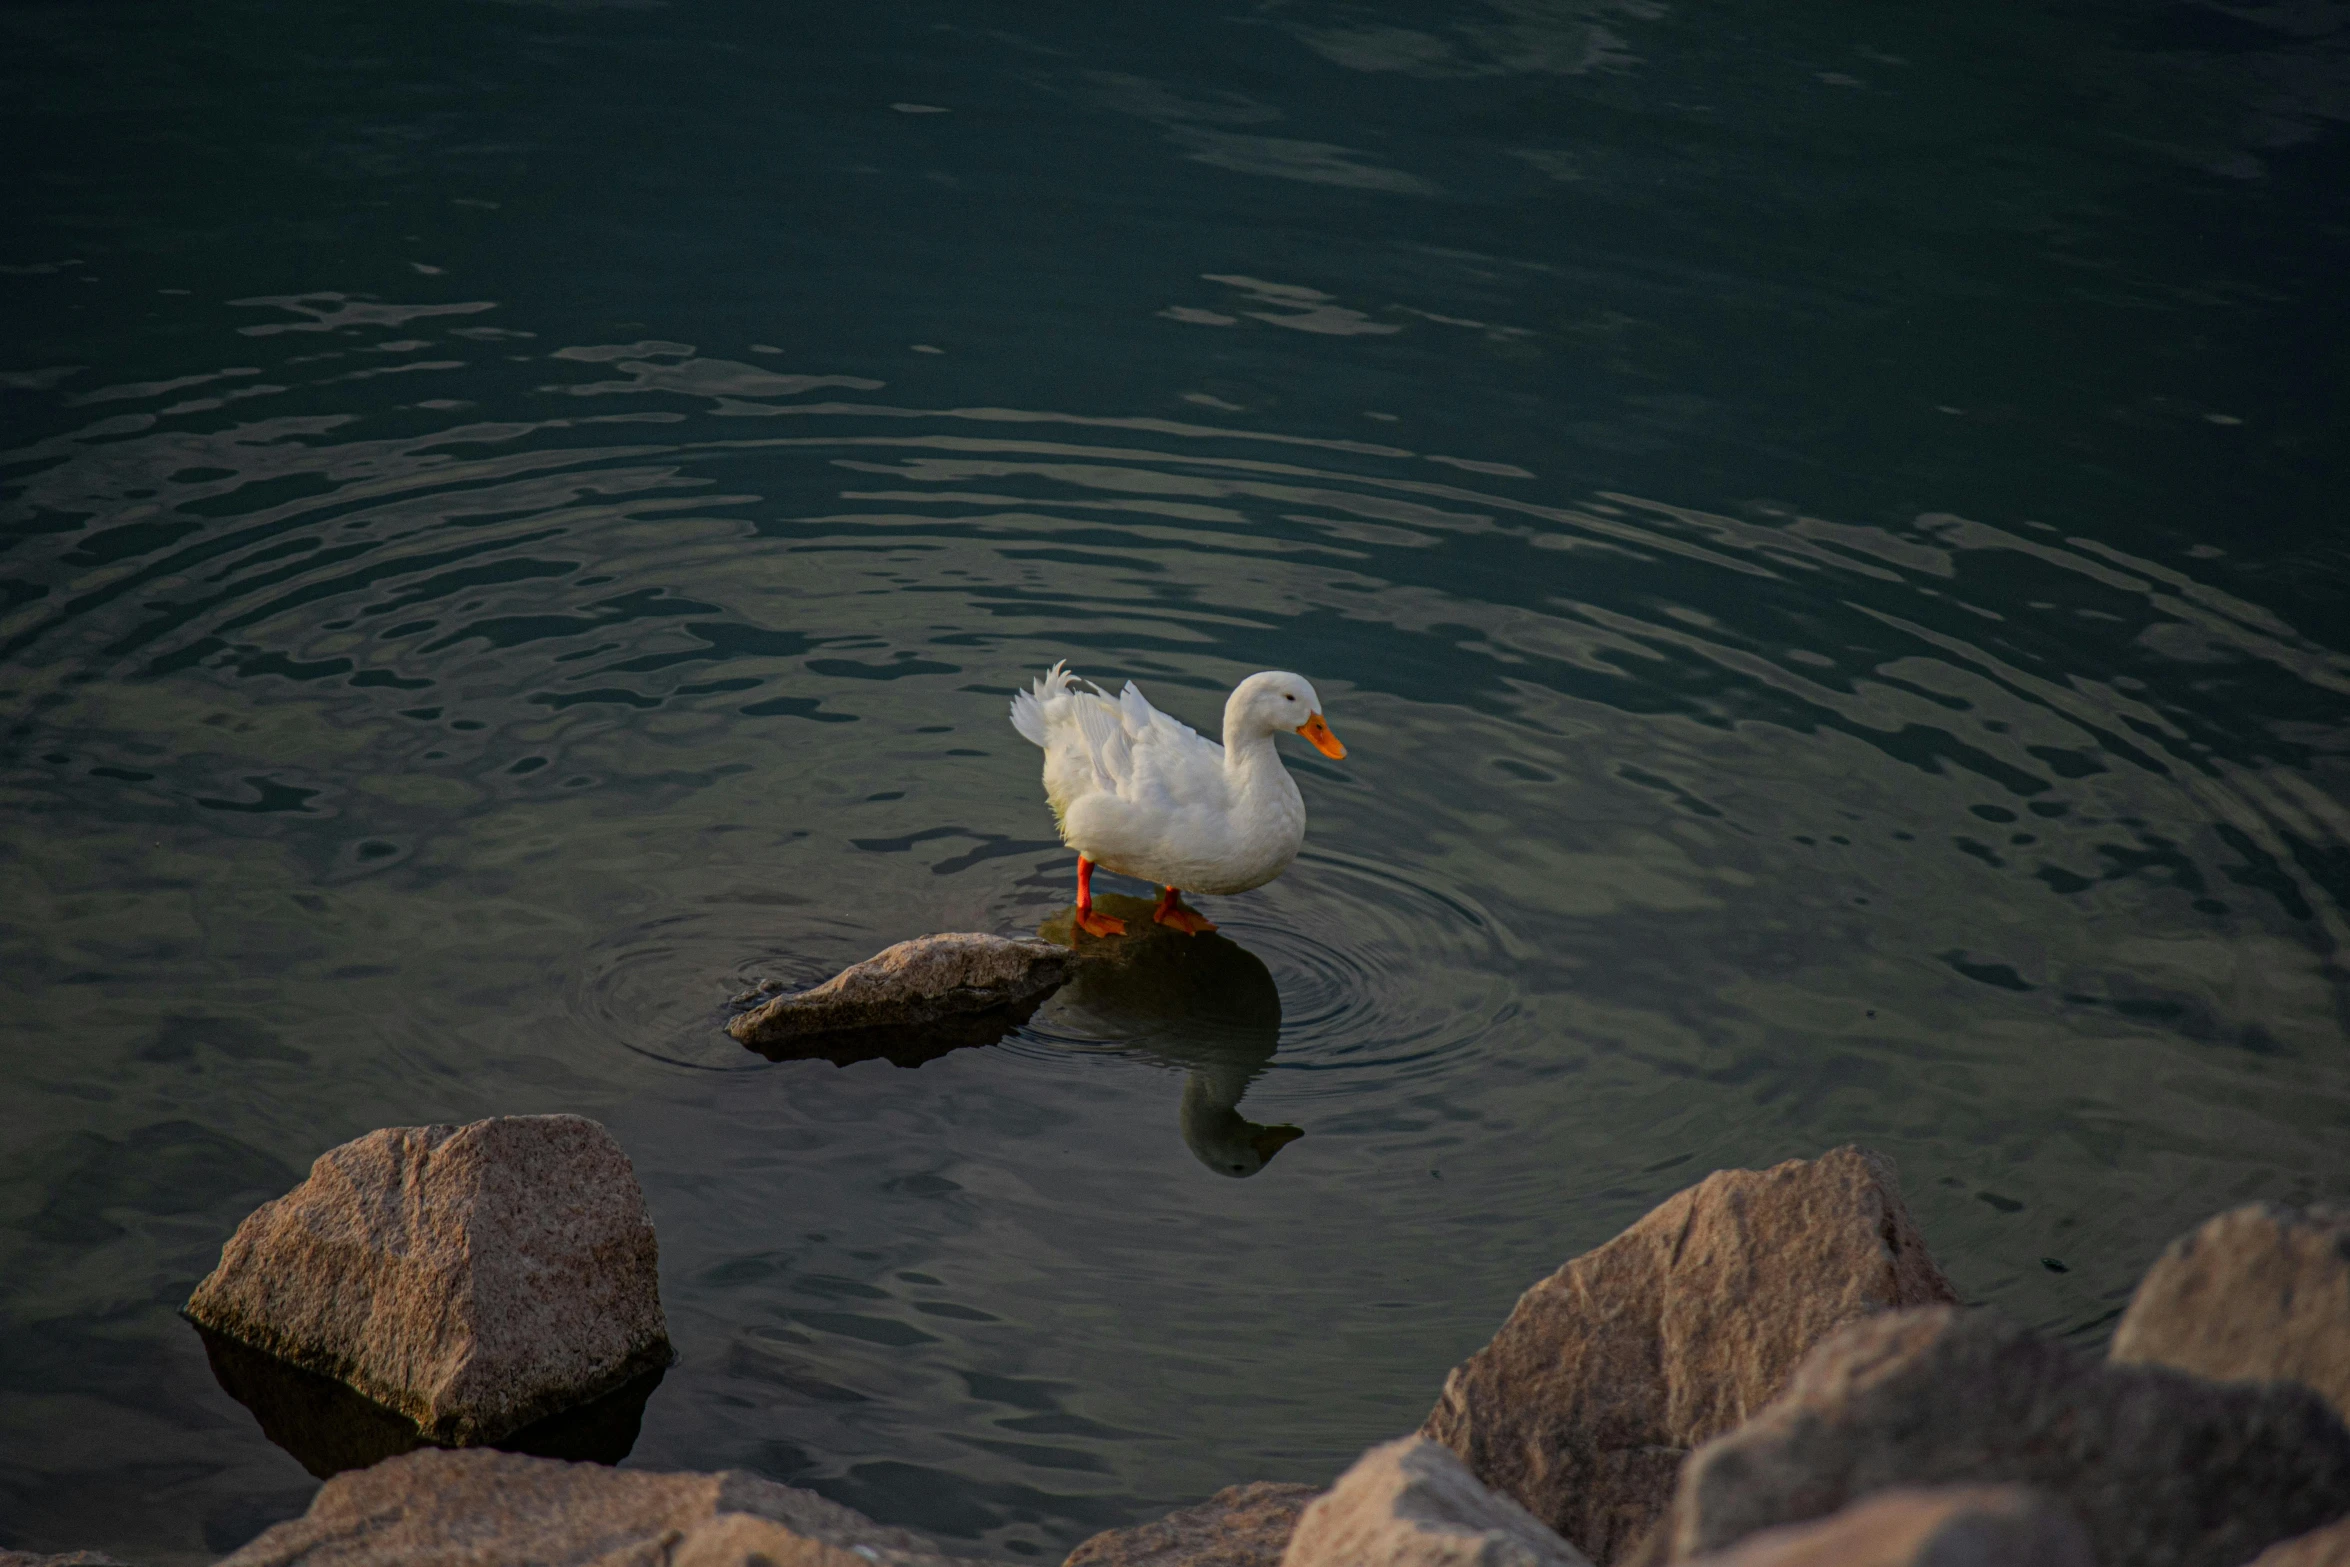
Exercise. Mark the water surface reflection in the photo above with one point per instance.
(1204, 1005)
(1835, 655)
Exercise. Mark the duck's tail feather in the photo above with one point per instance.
(1028, 705)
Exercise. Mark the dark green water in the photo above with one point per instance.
(1822, 527)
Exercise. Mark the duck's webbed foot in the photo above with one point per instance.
(1170, 912)
(1087, 920)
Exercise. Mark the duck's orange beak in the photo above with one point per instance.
(1316, 730)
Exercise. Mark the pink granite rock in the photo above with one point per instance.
(2257, 1294)
(1411, 1503)
(1613, 1368)
(1942, 1526)
(2163, 1468)
(1240, 1526)
(480, 1508)
(472, 1279)
(931, 980)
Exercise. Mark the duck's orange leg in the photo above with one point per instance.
(1169, 912)
(1091, 923)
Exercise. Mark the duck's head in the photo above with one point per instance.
(1278, 700)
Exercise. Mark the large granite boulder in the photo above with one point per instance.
(2165, 1469)
(1942, 1526)
(1411, 1503)
(1240, 1526)
(2257, 1294)
(2327, 1547)
(910, 1003)
(472, 1279)
(480, 1508)
(1629, 1356)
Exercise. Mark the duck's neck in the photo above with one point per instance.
(1253, 772)
(1248, 748)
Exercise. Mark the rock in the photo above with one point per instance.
(69, 1559)
(917, 999)
(1947, 1526)
(1411, 1503)
(2327, 1547)
(472, 1279)
(328, 1428)
(1583, 1405)
(481, 1508)
(2257, 1294)
(2165, 1469)
(1240, 1526)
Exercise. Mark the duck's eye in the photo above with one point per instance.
(1286, 697)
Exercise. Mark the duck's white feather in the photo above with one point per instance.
(1145, 795)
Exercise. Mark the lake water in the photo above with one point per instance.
(1821, 527)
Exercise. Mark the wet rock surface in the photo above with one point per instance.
(2257, 1293)
(1411, 1503)
(1609, 1371)
(473, 1280)
(1240, 1526)
(483, 1508)
(1945, 1526)
(328, 1428)
(2163, 1468)
(910, 1003)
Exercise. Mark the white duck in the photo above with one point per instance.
(1145, 796)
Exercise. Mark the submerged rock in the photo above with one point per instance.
(1411, 1503)
(329, 1428)
(471, 1279)
(1610, 1370)
(1240, 1526)
(483, 1508)
(2165, 1469)
(1945, 1526)
(910, 1003)
(2257, 1294)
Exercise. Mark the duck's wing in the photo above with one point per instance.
(1140, 718)
(1170, 763)
(1107, 741)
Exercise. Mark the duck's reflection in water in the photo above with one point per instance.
(1202, 1003)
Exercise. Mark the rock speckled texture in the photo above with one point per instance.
(2164, 1469)
(479, 1508)
(69, 1559)
(2256, 1294)
(1240, 1526)
(472, 1279)
(918, 982)
(1411, 1503)
(1946, 1526)
(1615, 1366)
